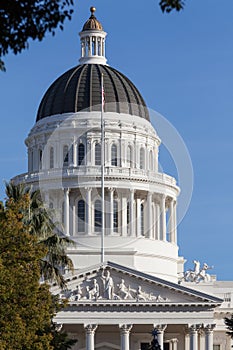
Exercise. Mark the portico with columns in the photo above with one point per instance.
(145, 302)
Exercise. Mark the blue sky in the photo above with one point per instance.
(183, 65)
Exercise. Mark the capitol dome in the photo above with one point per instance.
(79, 89)
(93, 154)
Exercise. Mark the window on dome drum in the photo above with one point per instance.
(31, 163)
(142, 219)
(151, 160)
(97, 154)
(51, 157)
(114, 155)
(128, 213)
(81, 216)
(98, 216)
(142, 158)
(71, 155)
(40, 159)
(81, 154)
(129, 157)
(65, 155)
(115, 216)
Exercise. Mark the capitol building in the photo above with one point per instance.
(93, 153)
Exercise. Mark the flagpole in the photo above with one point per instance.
(102, 168)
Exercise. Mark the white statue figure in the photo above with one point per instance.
(197, 275)
(94, 291)
(140, 294)
(124, 292)
(203, 276)
(78, 292)
(108, 285)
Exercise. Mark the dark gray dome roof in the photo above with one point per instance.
(80, 89)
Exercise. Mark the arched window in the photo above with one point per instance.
(97, 154)
(63, 213)
(128, 213)
(115, 216)
(142, 219)
(129, 157)
(31, 161)
(81, 216)
(40, 159)
(114, 155)
(151, 160)
(98, 216)
(65, 155)
(81, 154)
(51, 158)
(142, 158)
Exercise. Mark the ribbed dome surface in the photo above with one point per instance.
(80, 89)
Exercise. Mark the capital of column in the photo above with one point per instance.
(111, 189)
(209, 328)
(194, 328)
(90, 328)
(88, 188)
(125, 328)
(160, 327)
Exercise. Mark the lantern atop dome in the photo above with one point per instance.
(92, 39)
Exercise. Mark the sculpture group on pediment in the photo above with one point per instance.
(105, 287)
(198, 273)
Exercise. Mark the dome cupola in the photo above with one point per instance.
(92, 39)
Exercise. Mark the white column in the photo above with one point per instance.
(174, 343)
(74, 217)
(74, 153)
(125, 330)
(175, 222)
(124, 215)
(209, 336)
(139, 219)
(131, 214)
(193, 337)
(171, 221)
(66, 211)
(187, 340)
(157, 223)
(111, 191)
(90, 336)
(149, 215)
(163, 217)
(88, 211)
(160, 333)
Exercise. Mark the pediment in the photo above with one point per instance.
(114, 283)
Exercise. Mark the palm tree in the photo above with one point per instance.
(40, 223)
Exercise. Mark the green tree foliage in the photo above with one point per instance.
(229, 324)
(23, 20)
(26, 306)
(39, 222)
(169, 5)
(29, 19)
